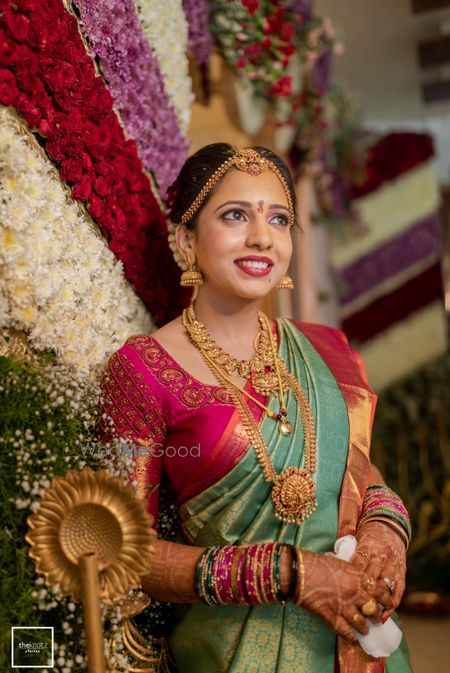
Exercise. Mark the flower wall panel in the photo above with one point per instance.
(389, 269)
(116, 37)
(60, 283)
(48, 77)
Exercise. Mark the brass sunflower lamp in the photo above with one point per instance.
(91, 536)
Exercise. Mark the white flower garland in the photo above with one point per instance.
(59, 282)
(166, 29)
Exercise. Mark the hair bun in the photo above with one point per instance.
(172, 193)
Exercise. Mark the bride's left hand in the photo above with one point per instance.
(381, 553)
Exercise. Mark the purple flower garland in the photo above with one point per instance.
(115, 35)
(200, 40)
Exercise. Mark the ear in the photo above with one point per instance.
(185, 240)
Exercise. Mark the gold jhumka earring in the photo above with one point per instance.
(286, 283)
(191, 277)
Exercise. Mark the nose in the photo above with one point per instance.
(259, 233)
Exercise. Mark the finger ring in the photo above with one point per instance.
(369, 608)
(390, 583)
(355, 617)
(369, 582)
(363, 553)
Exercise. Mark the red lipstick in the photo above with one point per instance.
(254, 265)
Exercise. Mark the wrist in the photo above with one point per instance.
(255, 574)
(288, 572)
(379, 527)
(381, 504)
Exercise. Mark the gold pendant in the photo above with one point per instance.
(266, 383)
(285, 427)
(293, 495)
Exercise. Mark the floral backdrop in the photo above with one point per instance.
(95, 106)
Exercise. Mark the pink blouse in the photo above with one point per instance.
(190, 429)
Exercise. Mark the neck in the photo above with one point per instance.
(233, 323)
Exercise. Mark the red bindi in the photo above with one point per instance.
(260, 206)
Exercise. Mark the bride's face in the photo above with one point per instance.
(242, 242)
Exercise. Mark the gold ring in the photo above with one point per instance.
(369, 608)
(355, 617)
(363, 553)
(390, 583)
(369, 582)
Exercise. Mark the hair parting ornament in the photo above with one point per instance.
(248, 161)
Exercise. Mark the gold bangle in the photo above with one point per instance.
(257, 576)
(234, 576)
(300, 590)
(261, 566)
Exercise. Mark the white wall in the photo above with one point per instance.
(380, 65)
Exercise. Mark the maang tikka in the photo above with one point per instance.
(248, 161)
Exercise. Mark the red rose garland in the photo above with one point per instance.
(47, 76)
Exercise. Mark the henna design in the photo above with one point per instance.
(381, 554)
(334, 590)
(171, 574)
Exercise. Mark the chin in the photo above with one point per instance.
(256, 292)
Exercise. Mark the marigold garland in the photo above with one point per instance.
(47, 76)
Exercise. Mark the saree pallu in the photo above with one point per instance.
(238, 509)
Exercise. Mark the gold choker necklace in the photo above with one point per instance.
(260, 367)
(293, 491)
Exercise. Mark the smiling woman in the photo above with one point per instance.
(282, 412)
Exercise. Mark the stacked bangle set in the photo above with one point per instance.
(383, 504)
(247, 574)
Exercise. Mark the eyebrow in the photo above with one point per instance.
(247, 204)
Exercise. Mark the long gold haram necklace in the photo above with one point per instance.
(293, 491)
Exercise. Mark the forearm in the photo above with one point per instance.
(172, 575)
(172, 572)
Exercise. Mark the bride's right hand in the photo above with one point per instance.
(336, 591)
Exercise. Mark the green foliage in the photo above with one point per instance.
(42, 427)
(412, 449)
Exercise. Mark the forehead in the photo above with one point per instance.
(241, 186)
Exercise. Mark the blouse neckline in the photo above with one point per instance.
(197, 381)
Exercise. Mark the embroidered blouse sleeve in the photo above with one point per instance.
(130, 410)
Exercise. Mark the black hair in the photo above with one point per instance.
(199, 167)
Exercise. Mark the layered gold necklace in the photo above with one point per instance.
(293, 490)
